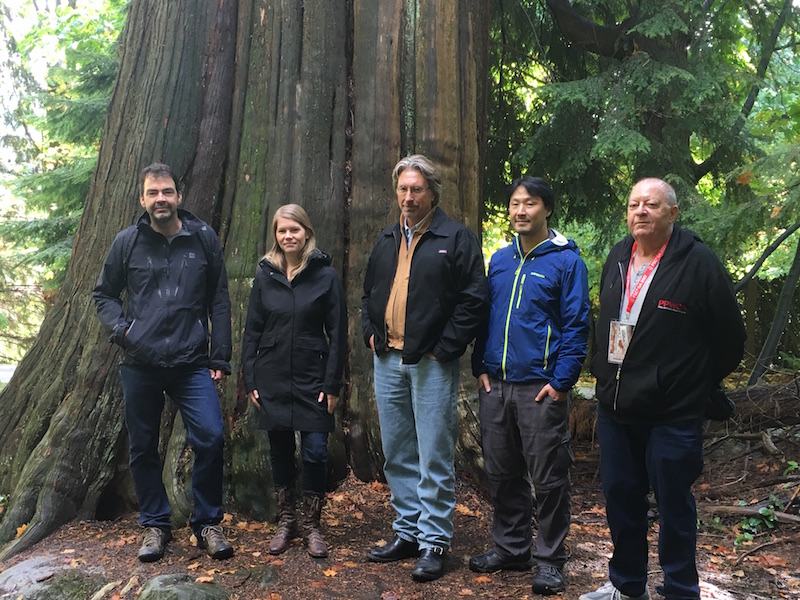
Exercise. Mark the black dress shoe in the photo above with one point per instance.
(430, 565)
(397, 549)
(491, 562)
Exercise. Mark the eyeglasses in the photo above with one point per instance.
(415, 191)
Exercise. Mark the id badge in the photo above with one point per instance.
(619, 337)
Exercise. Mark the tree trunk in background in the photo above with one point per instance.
(62, 410)
(250, 102)
(422, 92)
(288, 144)
(768, 350)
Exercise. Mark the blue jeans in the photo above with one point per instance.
(192, 389)
(313, 452)
(417, 410)
(668, 458)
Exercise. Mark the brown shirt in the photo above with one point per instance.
(396, 307)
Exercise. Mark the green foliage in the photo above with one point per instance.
(52, 137)
(665, 99)
(764, 521)
(791, 467)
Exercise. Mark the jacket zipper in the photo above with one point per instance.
(547, 347)
(511, 301)
(619, 367)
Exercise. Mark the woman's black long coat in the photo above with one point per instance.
(295, 342)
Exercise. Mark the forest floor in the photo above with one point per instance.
(358, 515)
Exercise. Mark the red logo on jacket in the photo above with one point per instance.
(677, 307)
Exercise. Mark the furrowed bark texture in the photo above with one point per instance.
(423, 93)
(254, 104)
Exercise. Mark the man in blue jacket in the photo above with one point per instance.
(424, 298)
(171, 264)
(669, 330)
(526, 362)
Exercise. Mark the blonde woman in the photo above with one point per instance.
(295, 341)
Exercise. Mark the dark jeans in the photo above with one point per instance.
(313, 452)
(192, 389)
(527, 442)
(668, 458)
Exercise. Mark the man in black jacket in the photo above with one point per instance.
(171, 264)
(669, 330)
(425, 294)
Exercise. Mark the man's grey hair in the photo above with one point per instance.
(425, 167)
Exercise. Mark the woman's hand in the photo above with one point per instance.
(332, 400)
(254, 398)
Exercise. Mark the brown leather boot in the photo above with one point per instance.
(315, 544)
(287, 520)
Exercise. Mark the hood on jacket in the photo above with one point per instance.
(555, 242)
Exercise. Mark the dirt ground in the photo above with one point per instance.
(358, 515)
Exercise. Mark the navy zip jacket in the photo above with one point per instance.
(173, 291)
(448, 298)
(688, 337)
(538, 325)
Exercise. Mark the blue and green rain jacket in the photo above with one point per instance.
(538, 325)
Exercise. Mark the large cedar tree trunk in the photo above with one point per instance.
(254, 104)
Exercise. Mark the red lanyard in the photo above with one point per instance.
(632, 296)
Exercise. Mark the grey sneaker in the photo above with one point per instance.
(609, 592)
(154, 543)
(213, 540)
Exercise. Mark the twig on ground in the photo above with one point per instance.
(742, 556)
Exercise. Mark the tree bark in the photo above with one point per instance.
(251, 103)
(63, 408)
(767, 353)
(424, 93)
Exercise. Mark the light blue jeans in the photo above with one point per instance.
(417, 409)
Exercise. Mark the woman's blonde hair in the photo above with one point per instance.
(296, 213)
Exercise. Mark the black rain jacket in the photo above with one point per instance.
(448, 296)
(173, 291)
(295, 342)
(688, 337)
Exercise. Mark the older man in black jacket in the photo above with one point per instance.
(669, 330)
(425, 294)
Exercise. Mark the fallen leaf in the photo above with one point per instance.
(483, 579)
(466, 592)
(464, 510)
(227, 519)
(21, 529)
(193, 566)
(68, 551)
(204, 579)
(330, 573)
(771, 560)
(255, 554)
(350, 564)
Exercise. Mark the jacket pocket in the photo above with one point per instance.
(309, 360)
(640, 390)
